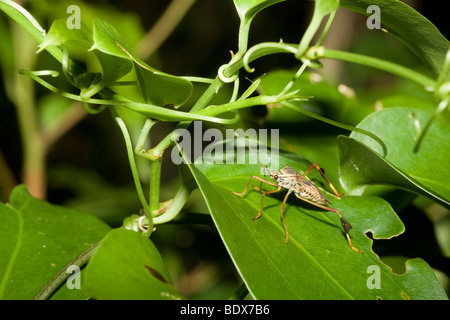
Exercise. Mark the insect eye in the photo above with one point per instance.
(275, 176)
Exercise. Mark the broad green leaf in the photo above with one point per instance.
(114, 61)
(410, 27)
(317, 263)
(37, 240)
(107, 40)
(127, 265)
(424, 172)
(104, 42)
(247, 9)
(157, 88)
(162, 89)
(59, 34)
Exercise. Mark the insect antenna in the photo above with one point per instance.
(250, 148)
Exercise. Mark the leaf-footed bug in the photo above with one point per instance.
(302, 187)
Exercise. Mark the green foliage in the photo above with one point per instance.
(399, 128)
(130, 257)
(316, 239)
(38, 240)
(398, 138)
(426, 41)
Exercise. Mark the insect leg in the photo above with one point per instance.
(345, 224)
(256, 178)
(282, 215)
(314, 165)
(258, 189)
(262, 199)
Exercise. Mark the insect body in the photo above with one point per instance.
(303, 188)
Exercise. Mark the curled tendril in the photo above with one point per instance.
(137, 223)
(262, 48)
(65, 66)
(142, 108)
(34, 74)
(143, 224)
(95, 110)
(224, 78)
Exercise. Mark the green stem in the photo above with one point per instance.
(34, 152)
(197, 79)
(175, 207)
(8, 181)
(139, 150)
(23, 17)
(260, 50)
(201, 103)
(28, 23)
(441, 107)
(326, 28)
(380, 64)
(155, 182)
(267, 48)
(235, 90)
(148, 110)
(216, 110)
(155, 167)
(321, 9)
(294, 79)
(244, 30)
(235, 64)
(249, 102)
(337, 124)
(134, 170)
(309, 34)
(161, 30)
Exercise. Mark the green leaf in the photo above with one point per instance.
(37, 240)
(160, 89)
(114, 61)
(59, 34)
(423, 172)
(317, 263)
(106, 39)
(157, 88)
(127, 265)
(410, 27)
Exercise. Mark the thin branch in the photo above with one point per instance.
(73, 115)
(163, 27)
(8, 180)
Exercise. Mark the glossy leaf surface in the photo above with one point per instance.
(37, 240)
(422, 172)
(127, 265)
(317, 263)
